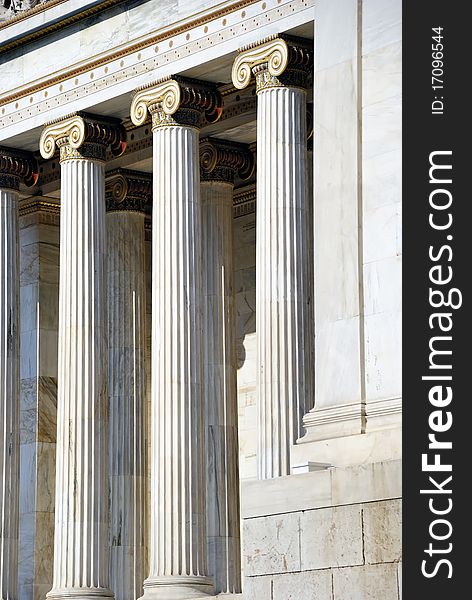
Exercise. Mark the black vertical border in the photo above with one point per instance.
(424, 133)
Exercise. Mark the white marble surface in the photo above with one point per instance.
(38, 405)
(219, 381)
(338, 341)
(244, 260)
(283, 323)
(177, 551)
(81, 517)
(271, 544)
(382, 218)
(301, 586)
(9, 391)
(331, 537)
(127, 402)
(382, 527)
(369, 582)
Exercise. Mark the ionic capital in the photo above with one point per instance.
(127, 190)
(17, 166)
(177, 101)
(278, 61)
(220, 160)
(83, 136)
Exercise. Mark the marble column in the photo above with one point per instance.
(128, 195)
(81, 517)
(178, 549)
(220, 161)
(14, 166)
(281, 66)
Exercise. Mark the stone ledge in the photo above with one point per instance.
(322, 489)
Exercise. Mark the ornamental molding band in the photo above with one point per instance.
(220, 160)
(17, 166)
(277, 61)
(127, 190)
(177, 100)
(83, 135)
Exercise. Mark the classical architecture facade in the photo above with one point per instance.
(200, 305)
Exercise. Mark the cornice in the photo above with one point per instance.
(56, 25)
(124, 49)
(135, 61)
(38, 204)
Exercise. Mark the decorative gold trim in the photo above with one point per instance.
(244, 202)
(271, 58)
(29, 37)
(176, 100)
(273, 52)
(164, 93)
(30, 12)
(38, 205)
(127, 50)
(89, 133)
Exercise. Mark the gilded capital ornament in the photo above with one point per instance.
(220, 160)
(278, 61)
(177, 100)
(82, 135)
(127, 190)
(17, 166)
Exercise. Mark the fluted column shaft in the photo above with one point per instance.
(178, 531)
(221, 411)
(9, 393)
(281, 66)
(81, 508)
(127, 400)
(14, 166)
(281, 283)
(81, 527)
(178, 548)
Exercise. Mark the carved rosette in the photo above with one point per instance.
(278, 61)
(127, 190)
(17, 166)
(83, 136)
(177, 101)
(220, 160)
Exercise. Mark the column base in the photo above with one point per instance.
(339, 420)
(177, 587)
(83, 593)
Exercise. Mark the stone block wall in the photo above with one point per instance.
(340, 549)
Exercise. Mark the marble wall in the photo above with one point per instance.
(381, 216)
(39, 296)
(341, 539)
(244, 257)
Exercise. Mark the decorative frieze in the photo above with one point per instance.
(127, 190)
(278, 61)
(177, 101)
(83, 136)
